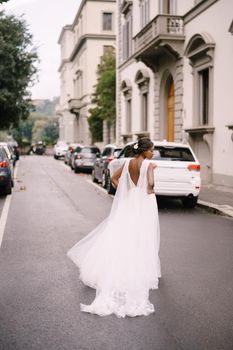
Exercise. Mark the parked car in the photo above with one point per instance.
(14, 145)
(60, 149)
(101, 164)
(86, 158)
(177, 174)
(10, 153)
(6, 172)
(75, 154)
(40, 148)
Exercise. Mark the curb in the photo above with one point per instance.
(220, 209)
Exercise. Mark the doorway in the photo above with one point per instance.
(170, 111)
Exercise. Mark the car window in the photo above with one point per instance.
(90, 150)
(126, 152)
(107, 151)
(78, 149)
(174, 154)
(3, 155)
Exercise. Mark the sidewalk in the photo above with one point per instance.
(218, 199)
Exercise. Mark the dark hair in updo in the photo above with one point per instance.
(143, 144)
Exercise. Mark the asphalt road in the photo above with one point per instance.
(51, 209)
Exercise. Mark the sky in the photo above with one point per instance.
(45, 19)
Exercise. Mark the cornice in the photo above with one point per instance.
(86, 37)
(197, 9)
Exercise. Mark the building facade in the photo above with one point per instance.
(82, 44)
(174, 78)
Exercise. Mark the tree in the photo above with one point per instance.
(17, 70)
(104, 97)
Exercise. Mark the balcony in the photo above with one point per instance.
(164, 35)
(74, 105)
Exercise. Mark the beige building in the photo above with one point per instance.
(82, 44)
(175, 77)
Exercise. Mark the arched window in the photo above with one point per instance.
(200, 51)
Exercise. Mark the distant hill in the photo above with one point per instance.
(45, 106)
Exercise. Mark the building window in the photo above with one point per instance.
(144, 12)
(200, 52)
(144, 120)
(167, 7)
(142, 79)
(204, 96)
(128, 115)
(107, 20)
(127, 38)
(78, 85)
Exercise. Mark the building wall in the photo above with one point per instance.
(86, 29)
(217, 26)
(214, 150)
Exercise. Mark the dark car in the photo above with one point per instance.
(86, 158)
(6, 173)
(99, 171)
(40, 148)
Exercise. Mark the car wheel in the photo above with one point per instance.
(76, 170)
(94, 179)
(189, 202)
(109, 187)
(8, 188)
(55, 157)
(104, 180)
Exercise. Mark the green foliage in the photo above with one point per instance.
(17, 70)
(95, 125)
(23, 133)
(36, 128)
(104, 97)
(1, 1)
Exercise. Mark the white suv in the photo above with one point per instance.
(60, 149)
(177, 173)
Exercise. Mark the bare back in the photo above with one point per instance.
(134, 169)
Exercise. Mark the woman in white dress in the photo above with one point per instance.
(120, 257)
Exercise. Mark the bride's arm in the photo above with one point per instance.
(150, 177)
(116, 176)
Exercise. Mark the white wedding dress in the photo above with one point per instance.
(120, 257)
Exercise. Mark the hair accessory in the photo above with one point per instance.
(135, 146)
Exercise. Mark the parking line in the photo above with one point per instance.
(5, 210)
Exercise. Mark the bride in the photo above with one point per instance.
(120, 257)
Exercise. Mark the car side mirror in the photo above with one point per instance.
(97, 155)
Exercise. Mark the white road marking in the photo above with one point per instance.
(5, 210)
(99, 188)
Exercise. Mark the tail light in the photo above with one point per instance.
(4, 164)
(109, 159)
(194, 167)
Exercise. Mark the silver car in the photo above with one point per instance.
(86, 159)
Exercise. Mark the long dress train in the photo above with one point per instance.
(120, 257)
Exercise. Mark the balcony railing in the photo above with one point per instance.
(74, 105)
(167, 26)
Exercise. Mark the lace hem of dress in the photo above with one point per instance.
(120, 305)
